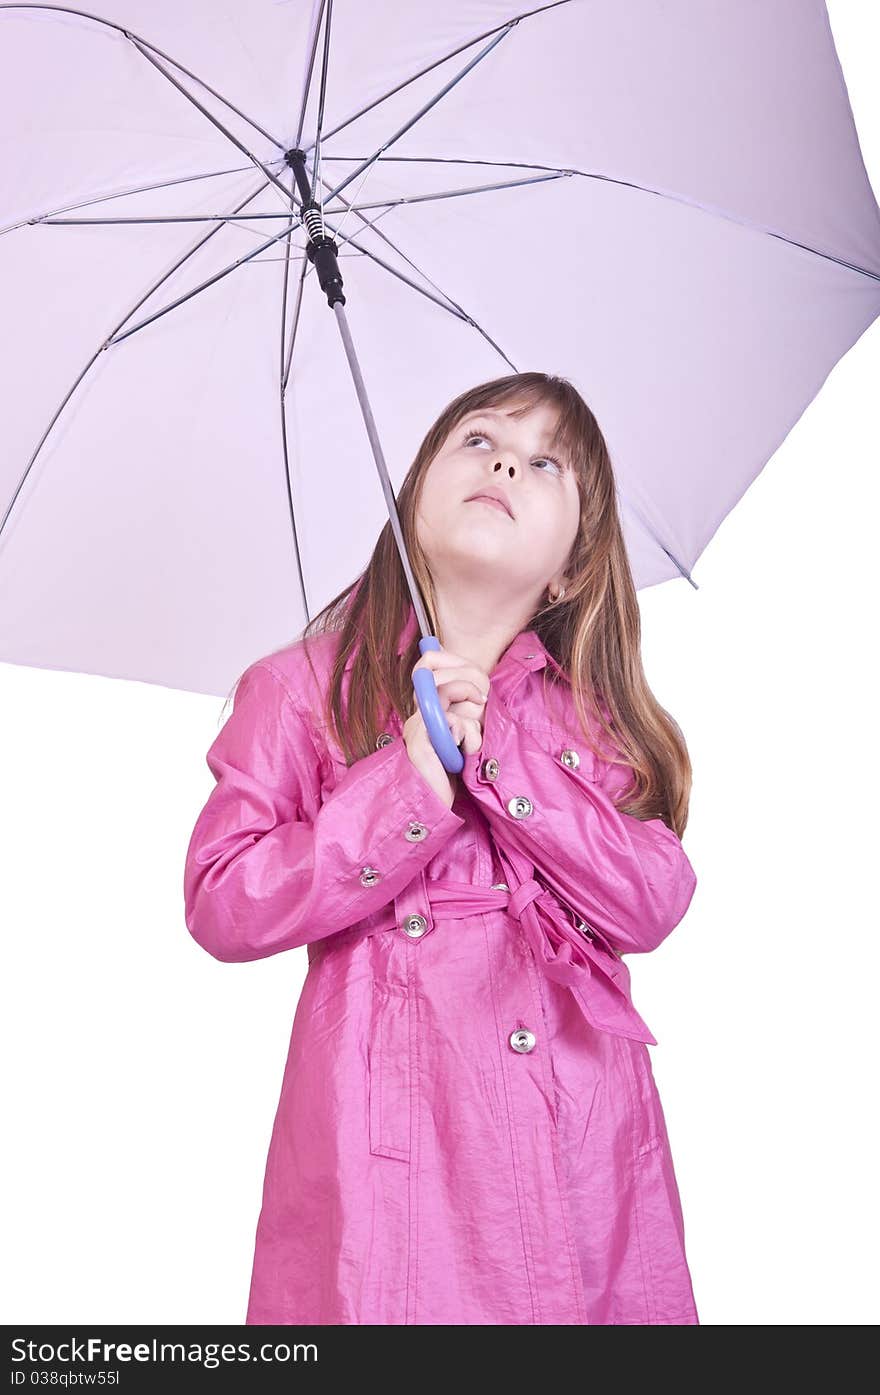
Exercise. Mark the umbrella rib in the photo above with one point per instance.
(124, 194)
(204, 285)
(158, 218)
(643, 522)
(386, 204)
(728, 217)
(288, 359)
(275, 181)
(452, 193)
(407, 125)
(283, 375)
(724, 214)
(455, 160)
(325, 64)
(307, 81)
(438, 62)
(164, 277)
(447, 303)
(249, 256)
(284, 369)
(136, 39)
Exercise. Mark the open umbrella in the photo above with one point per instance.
(665, 202)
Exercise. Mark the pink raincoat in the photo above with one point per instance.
(468, 1129)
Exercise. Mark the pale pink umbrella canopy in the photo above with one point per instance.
(670, 209)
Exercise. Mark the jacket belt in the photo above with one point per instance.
(597, 977)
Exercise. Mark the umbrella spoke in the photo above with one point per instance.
(269, 242)
(204, 285)
(52, 215)
(284, 374)
(438, 62)
(652, 534)
(143, 44)
(270, 175)
(457, 160)
(195, 248)
(307, 81)
(711, 210)
(428, 106)
(453, 193)
(316, 168)
(242, 218)
(287, 354)
(447, 303)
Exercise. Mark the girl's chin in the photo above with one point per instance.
(476, 556)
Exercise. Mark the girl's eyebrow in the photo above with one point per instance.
(486, 412)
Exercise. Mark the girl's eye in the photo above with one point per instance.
(481, 436)
(549, 460)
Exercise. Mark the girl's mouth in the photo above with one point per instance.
(494, 503)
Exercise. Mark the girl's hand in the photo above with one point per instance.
(463, 689)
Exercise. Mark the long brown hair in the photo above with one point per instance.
(594, 632)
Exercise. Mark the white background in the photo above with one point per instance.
(141, 1076)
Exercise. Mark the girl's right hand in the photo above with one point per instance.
(462, 689)
(425, 758)
(465, 729)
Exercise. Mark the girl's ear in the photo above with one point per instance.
(556, 586)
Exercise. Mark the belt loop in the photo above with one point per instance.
(412, 909)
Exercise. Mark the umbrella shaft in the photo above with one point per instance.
(360, 389)
(322, 251)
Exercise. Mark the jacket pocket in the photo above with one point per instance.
(667, 1280)
(664, 1262)
(390, 1071)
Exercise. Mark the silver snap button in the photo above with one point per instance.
(384, 740)
(490, 769)
(369, 876)
(500, 886)
(416, 832)
(415, 925)
(584, 928)
(520, 807)
(522, 1040)
(571, 759)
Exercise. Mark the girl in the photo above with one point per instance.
(468, 1130)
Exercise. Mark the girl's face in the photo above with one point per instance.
(470, 543)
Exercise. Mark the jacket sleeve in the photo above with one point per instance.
(628, 878)
(270, 864)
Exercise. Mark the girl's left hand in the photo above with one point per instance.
(463, 689)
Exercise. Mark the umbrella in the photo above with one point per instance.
(665, 202)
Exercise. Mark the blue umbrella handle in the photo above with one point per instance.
(433, 714)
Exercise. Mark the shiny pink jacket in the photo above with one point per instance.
(468, 1129)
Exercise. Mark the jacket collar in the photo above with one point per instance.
(525, 651)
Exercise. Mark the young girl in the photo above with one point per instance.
(468, 1130)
